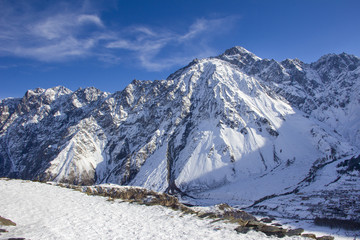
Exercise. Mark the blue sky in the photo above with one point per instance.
(107, 44)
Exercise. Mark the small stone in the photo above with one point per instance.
(325, 238)
(206, 214)
(242, 229)
(309, 235)
(272, 231)
(6, 222)
(295, 232)
(224, 206)
(254, 224)
(266, 220)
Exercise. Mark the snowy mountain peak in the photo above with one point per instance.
(336, 63)
(89, 94)
(293, 63)
(240, 51)
(342, 57)
(59, 90)
(221, 129)
(243, 59)
(239, 56)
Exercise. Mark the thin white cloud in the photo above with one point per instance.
(62, 25)
(149, 43)
(53, 27)
(122, 44)
(199, 26)
(63, 50)
(58, 34)
(158, 65)
(144, 30)
(8, 66)
(86, 18)
(208, 26)
(65, 33)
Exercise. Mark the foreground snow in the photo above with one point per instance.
(44, 211)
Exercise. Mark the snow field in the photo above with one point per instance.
(43, 211)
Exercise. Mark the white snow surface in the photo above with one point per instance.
(43, 211)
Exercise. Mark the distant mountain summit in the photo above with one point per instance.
(233, 128)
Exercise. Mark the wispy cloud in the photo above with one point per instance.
(147, 43)
(56, 34)
(62, 25)
(86, 18)
(63, 33)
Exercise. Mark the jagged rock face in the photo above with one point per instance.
(328, 89)
(230, 128)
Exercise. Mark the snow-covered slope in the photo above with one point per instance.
(234, 128)
(43, 211)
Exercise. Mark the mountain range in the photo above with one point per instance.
(276, 137)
